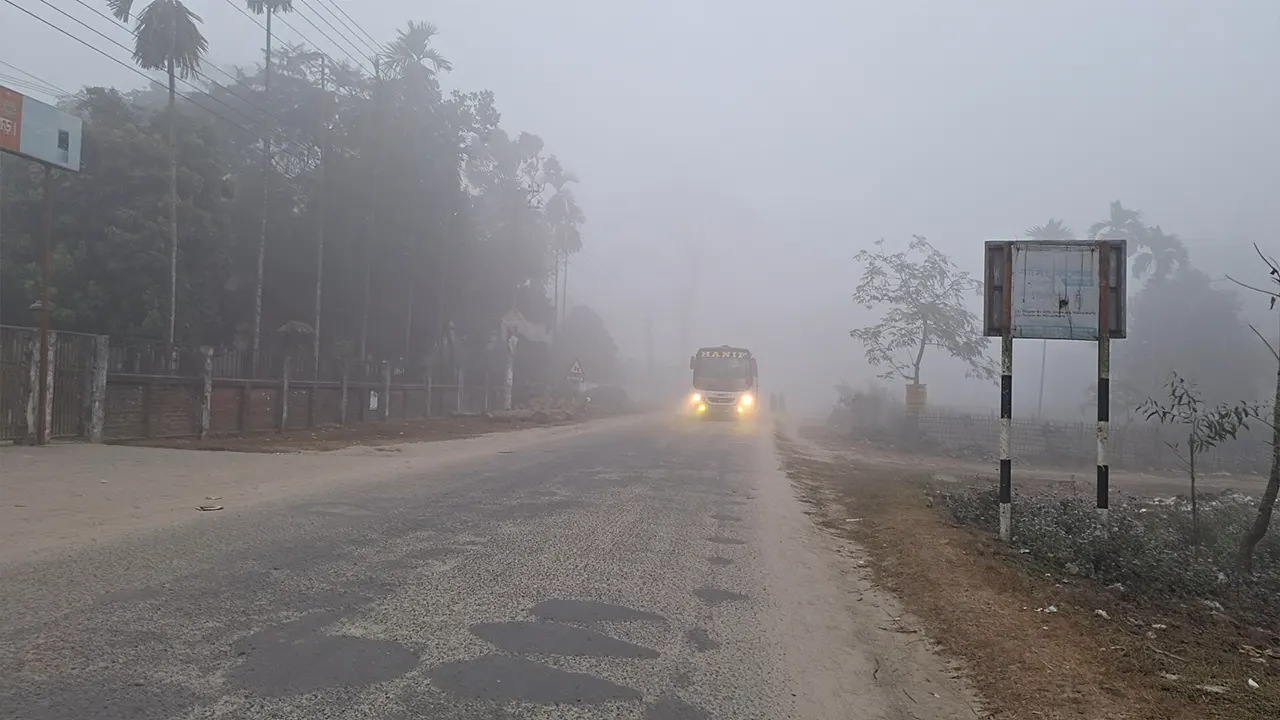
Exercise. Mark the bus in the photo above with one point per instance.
(725, 382)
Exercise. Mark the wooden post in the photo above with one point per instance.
(206, 390)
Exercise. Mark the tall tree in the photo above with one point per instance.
(566, 219)
(268, 8)
(1266, 504)
(167, 37)
(922, 294)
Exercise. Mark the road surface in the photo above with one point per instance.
(641, 568)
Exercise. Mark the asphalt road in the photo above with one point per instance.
(658, 570)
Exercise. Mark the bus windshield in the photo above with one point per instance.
(725, 374)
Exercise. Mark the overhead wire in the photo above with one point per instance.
(35, 80)
(198, 73)
(148, 78)
(343, 50)
(129, 50)
(332, 27)
(373, 40)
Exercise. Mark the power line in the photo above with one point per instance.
(296, 31)
(148, 78)
(336, 31)
(199, 74)
(353, 22)
(36, 80)
(322, 32)
(126, 48)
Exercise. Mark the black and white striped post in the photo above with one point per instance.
(1006, 436)
(1105, 282)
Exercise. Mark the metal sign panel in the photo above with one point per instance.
(10, 119)
(575, 371)
(38, 131)
(1055, 290)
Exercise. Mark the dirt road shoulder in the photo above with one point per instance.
(1036, 647)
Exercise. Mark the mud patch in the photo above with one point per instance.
(508, 679)
(720, 561)
(549, 638)
(724, 517)
(722, 540)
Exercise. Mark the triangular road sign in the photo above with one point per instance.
(575, 371)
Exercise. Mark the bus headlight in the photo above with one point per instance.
(697, 398)
(747, 400)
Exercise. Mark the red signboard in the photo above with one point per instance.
(10, 120)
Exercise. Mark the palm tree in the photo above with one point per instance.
(411, 57)
(167, 37)
(269, 8)
(411, 52)
(1052, 230)
(566, 218)
(1163, 251)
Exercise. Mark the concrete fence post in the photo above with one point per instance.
(31, 356)
(95, 400)
(343, 387)
(284, 395)
(206, 390)
(384, 406)
(33, 406)
(426, 384)
(460, 402)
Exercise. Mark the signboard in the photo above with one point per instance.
(38, 131)
(575, 371)
(1055, 290)
(740, 354)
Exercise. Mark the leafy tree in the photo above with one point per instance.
(922, 293)
(585, 337)
(1266, 505)
(427, 243)
(167, 37)
(1206, 428)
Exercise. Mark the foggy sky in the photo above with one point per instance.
(780, 138)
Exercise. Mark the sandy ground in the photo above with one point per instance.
(637, 569)
(66, 496)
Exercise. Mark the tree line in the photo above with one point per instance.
(361, 206)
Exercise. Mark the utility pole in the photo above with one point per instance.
(323, 205)
(46, 273)
(373, 203)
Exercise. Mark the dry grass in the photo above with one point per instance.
(984, 606)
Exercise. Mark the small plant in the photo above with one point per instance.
(1206, 428)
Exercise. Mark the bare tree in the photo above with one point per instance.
(1267, 504)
